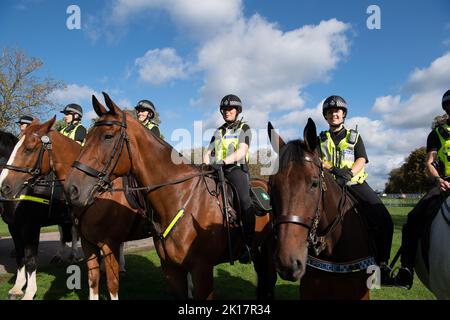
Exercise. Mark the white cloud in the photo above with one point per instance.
(267, 67)
(424, 89)
(386, 104)
(159, 66)
(436, 76)
(74, 93)
(195, 18)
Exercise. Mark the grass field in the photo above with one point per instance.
(144, 279)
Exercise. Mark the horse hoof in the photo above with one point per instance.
(14, 295)
(28, 297)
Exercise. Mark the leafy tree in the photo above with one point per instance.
(21, 90)
(411, 176)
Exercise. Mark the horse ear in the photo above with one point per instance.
(275, 139)
(310, 135)
(111, 105)
(35, 121)
(98, 107)
(47, 126)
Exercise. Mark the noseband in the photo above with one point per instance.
(314, 241)
(35, 171)
(104, 176)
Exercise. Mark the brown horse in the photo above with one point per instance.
(104, 226)
(309, 209)
(193, 233)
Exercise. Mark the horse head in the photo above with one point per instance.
(105, 155)
(296, 193)
(29, 158)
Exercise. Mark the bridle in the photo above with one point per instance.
(104, 182)
(316, 242)
(35, 171)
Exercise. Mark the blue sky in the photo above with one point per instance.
(281, 57)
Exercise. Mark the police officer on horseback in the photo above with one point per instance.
(146, 111)
(438, 169)
(24, 122)
(343, 153)
(73, 128)
(229, 148)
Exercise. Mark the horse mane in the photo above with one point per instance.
(7, 143)
(161, 141)
(293, 151)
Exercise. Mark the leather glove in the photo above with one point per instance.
(343, 175)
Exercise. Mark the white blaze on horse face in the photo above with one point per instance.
(31, 286)
(11, 160)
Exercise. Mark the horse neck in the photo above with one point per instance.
(64, 153)
(349, 238)
(152, 164)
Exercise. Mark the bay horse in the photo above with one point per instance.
(24, 219)
(436, 276)
(320, 236)
(103, 227)
(192, 230)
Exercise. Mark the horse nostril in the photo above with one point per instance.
(298, 266)
(5, 190)
(74, 193)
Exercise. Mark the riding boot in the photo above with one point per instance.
(410, 241)
(248, 221)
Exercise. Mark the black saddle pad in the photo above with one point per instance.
(261, 201)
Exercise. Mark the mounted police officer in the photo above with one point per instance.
(438, 169)
(72, 118)
(24, 122)
(146, 111)
(229, 148)
(343, 153)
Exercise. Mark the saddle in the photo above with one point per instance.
(260, 201)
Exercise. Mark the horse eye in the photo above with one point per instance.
(108, 136)
(315, 184)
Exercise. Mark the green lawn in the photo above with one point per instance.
(144, 279)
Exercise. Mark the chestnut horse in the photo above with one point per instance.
(32, 208)
(104, 226)
(192, 230)
(314, 242)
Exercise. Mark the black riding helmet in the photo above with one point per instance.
(446, 100)
(73, 108)
(25, 120)
(146, 105)
(231, 100)
(333, 102)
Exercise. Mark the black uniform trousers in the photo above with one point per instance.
(241, 181)
(378, 218)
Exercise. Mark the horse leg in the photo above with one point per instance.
(202, 279)
(122, 258)
(58, 257)
(111, 257)
(92, 252)
(74, 252)
(31, 252)
(177, 280)
(266, 272)
(21, 279)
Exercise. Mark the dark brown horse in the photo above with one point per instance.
(103, 226)
(312, 214)
(193, 236)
